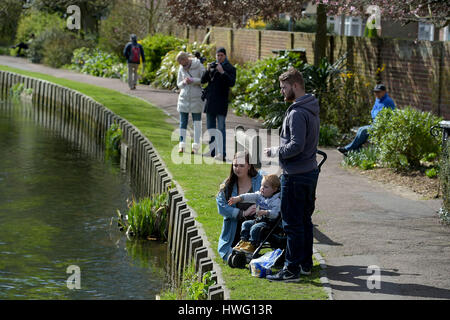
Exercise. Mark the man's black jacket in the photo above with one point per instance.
(219, 88)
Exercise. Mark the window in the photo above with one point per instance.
(354, 26)
(333, 23)
(426, 31)
(446, 34)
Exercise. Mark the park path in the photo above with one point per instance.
(358, 222)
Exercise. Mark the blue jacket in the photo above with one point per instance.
(127, 51)
(299, 136)
(384, 102)
(230, 214)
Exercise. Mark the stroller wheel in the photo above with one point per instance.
(239, 260)
(230, 259)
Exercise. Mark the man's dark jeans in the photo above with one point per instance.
(298, 195)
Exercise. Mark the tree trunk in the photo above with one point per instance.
(89, 23)
(320, 45)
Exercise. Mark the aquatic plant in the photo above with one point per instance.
(146, 218)
(112, 141)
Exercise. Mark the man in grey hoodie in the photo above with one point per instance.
(297, 155)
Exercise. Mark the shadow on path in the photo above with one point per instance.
(353, 278)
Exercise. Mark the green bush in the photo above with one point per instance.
(124, 18)
(98, 63)
(328, 135)
(37, 22)
(347, 102)
(431, 173)
(257, 90)
(155, 48)
(402, 137)
(58, 47)
(166, 76)
(55, 47)
(365, 158)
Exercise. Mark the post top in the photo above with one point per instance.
(445, 124)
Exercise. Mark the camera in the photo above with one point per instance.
(213, 65)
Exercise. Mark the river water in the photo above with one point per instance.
(56, 205)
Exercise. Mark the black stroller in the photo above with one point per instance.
(274, 238)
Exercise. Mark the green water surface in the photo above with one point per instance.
(56, 205)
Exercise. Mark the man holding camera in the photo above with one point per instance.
(220, 76)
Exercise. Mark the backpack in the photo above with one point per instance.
(135, 54)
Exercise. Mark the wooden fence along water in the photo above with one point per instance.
(82, 120)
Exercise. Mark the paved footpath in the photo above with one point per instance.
(366, 231)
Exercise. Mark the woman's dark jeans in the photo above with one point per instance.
(298, 196)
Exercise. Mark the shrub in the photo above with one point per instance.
(126, 17)
(55, 47)
(155, 48)
(37, 22)
(402, 137)
(347, 102)
(365, 158)
(328, 135)
(58, 47)
(431, 173)
(98, 63)
(257, 90)
(166, 76)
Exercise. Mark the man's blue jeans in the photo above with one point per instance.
(361, 136)
(211, 124)
(298, 196)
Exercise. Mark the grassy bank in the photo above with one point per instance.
(200, 183)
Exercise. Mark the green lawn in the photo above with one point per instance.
(200, 183)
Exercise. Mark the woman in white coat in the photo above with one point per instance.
(189, 100)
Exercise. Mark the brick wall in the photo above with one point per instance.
(416, 73)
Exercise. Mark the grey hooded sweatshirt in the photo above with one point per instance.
(299, 136)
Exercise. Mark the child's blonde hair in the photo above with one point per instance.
(273, 180)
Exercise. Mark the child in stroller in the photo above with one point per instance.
(268, 204)
(271, 235)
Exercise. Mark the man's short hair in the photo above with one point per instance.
(293, 76)
(221, 49)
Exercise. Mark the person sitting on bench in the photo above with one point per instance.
(382, 101)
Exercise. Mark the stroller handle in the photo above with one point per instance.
(324, 158)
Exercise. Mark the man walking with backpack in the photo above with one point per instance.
(133, 52)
